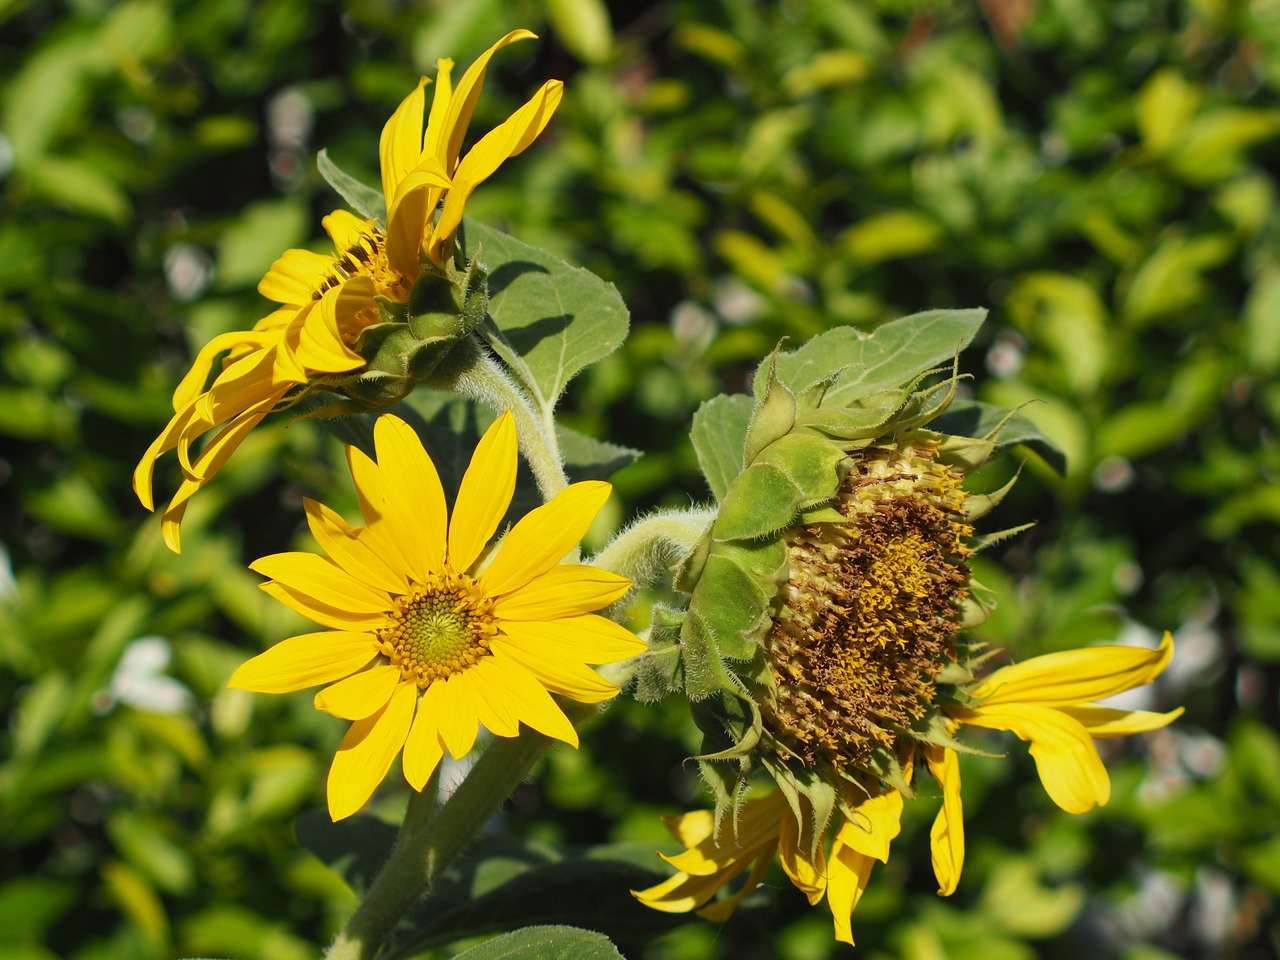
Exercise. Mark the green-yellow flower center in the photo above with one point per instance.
(440, 629)
(868, 616)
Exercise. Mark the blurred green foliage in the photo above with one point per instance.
(1099, 174)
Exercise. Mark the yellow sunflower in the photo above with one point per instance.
(1047, 700)
(327, 300)
(432, 635)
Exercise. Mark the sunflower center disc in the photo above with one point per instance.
(868, 616)
(441, 629)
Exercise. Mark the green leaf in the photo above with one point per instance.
(972, 418)
(253, 242)
(545, 943)
(718, 434)
(504, 883)
(583, 27)
(557, 318)
(80, 186)
(891, 355)
(364, 200)
(586, 458)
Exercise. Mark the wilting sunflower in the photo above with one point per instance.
(824, 646)
(1046, 700)
(316, 340)
(433, 633)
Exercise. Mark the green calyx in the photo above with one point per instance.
(411, 340)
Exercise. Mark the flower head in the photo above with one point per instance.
(344, 324)
(824, 645)
(433, 634)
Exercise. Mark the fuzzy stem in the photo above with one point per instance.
(480, 377)
(421, 855)
(656, 542)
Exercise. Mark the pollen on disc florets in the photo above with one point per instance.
(440, 629)
(868, 616)
(367, 257)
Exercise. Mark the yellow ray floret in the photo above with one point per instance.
(426, 647)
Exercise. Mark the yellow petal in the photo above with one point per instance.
(361, 695)
(354, 554)
(497, 713)
(482, 160)
(418, 517)
(946, 839)
(721, 910)
(528, 698)
(407, 222)
(322, 580)
(544, 536)
(346, 230)
(366, 752)
(320, 348)
(586, 639)
(462, 100)
(305, 661)
(808, 875)
(382, 534)
(456, 716)
(877, 822)
(573, 680)
(568, 590)
(423, 748)
(848, 873)
(692, 828)
(682, 893)
(1076, 676)
(193, 383)
(434, 139)
(485, 493)
(1103, 722)
(143, 473)
(295, 275)
(324, 614)
(1066, 759)
(401, 142)
(212, 459)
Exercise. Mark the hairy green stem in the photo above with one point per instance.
(420, 855)
(654, 543)
(482, 378)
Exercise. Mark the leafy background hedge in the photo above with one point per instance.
(1100, 174)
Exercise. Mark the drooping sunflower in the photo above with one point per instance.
(1046, 700)
(313, 341)
(433, 633)
(824, 645)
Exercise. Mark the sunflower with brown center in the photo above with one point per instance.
(824, 645)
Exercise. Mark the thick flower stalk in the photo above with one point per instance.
(823, 645)
(366, 323)
(433, 632)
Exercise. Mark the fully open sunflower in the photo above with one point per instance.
(433, 635)
(313, 341)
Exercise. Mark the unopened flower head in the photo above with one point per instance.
(433, 634)
(366, 323)
(824, 646)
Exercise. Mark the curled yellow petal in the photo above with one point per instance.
(1066, 759)
(946, 838)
